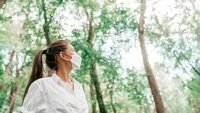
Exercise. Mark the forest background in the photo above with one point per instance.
(139, 56)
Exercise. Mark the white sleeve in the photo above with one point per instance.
(34, 100)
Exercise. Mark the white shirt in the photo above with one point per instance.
(52, 95)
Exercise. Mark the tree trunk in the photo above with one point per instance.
(93, 99)
(7, 70)
(99, 96)
(111, 99)
(47, 21)
(2, 2)
(93, 71)
(13, 94)
(150, 75)
(9, 63)
(46, 24)
(111, 94)
(14, 91)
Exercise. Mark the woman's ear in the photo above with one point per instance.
(63, 56)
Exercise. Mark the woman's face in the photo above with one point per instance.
(70, 51)
(67, 55)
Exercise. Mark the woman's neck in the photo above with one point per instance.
(64, 74)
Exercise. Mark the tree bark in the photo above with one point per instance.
(47, 21)
(9, 63)
(13, 94)
(93, 71)
(99, 96)
(150, 75)
(14, 91)
(2, 2)
(111, 99)
(93, 99)
(111, 95)
(7, 70)
(46, 24)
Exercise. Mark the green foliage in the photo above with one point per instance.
(195, 92)
(1, 66)
(115, 29)
(110, 20)
(135, 87)
(92, 5)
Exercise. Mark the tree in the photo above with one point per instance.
(7, 70)
(194, 99)
(48, 20)
(93, 69)
(2, 2)
(150, 75)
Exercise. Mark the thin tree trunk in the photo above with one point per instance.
(111, 95)
(14, 91)
(93, 71)
(193, 67)
(47, 21)
(111, 99)
(150, 75)
(46, 25)
(13, 95)
(99, 96)
(93, 99)
(2, 2)
(9, 63)
(7, 70)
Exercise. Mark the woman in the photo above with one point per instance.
(59, 93)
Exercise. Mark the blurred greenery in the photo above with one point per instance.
(28, 26)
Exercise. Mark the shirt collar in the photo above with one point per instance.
(59, 80)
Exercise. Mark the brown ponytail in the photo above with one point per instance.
(51, 53)
(37, 71)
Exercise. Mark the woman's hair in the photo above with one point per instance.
(51, 53)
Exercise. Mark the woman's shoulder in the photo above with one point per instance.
(41, 80)
(40, 83)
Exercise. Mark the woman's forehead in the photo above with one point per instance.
(70, 47)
